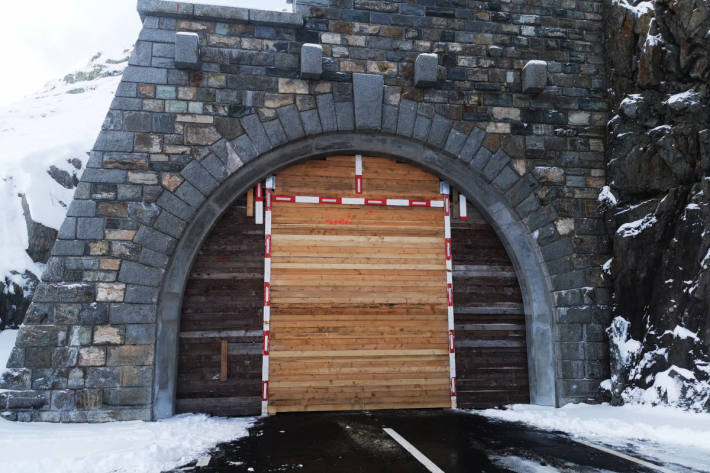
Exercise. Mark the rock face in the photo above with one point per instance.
(658, 162)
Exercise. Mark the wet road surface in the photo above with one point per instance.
(356, 442)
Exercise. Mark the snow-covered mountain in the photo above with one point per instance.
(44, 141)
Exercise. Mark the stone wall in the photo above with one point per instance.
(174, 138)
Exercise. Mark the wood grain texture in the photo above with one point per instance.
(223, 310)
(491, 353)
(358, 311)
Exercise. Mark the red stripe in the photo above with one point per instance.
(285, 198)
(268, 200)
(419, 203)
(450, 294)
(447, 247)
(453, 386)
(358, 184)
(329, 200)
(452, 342)
(264, 390)
(267, 246)
(267, 342)
(447, 210)
(375, 202)
(463, 218)
(259, 193)
(267, 294)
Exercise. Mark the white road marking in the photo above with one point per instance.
(428, 464)
(638, 461)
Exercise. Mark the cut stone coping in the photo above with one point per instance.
(213, 12)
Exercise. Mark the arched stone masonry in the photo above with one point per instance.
(177, 147)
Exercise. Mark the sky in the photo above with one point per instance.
(46, 39)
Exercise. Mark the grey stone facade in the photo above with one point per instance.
(99, 340)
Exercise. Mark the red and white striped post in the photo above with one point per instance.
(270, 185)
(259, 204)
(446, 192)
(462, 207)
(358, 174)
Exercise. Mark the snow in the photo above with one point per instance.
(7, 342)
(607, 197)
(682, 100)
(682, 332)
(45, 129)
(635, 228)
(638, 10)
(521, 465)
(667, 435)
(116, 447)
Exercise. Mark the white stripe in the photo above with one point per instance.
(437, 203)
(264, 411)
(452, 365)
(270, 182)
(398, 202)
(267, 313)
(267, 269)
(358, 165)
(267, 230)
(451, 317)
(265, 369)
(259, 212)
(428, 464)
(305, 199)
(449, 278)
(447, 227)
(448, 265)
(638, 461)
(453, 402)
(353, 201)
(462, 205)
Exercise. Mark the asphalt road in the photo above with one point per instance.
(356, 442)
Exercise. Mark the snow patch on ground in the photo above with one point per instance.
(667, 435)
(117, 447)
(7, 343)
(521, 465)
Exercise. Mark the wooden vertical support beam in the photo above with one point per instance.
(445, 190)
(250, 203)
(223, 360)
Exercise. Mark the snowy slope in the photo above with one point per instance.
(51, 127)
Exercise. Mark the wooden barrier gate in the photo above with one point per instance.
(359, 311)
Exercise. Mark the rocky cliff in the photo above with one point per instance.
(658, 201)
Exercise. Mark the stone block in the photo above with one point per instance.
(114, 141)
(15, 379)
(311, 61)
(155, 240)
(126, 396)
(40, 336)
(426, 67)
(326, 110)
(92, 356)
(291, 122)
(199, 177)
(130, 355)
(110, 292)
(140, 334)
(142, 294)
(90, 228)
(368, 91)
(103, 377)
(255, 130)
(109, 335)
(79, 335)
(534, 77)
(65, 357)
(63, 400)
(28, 399)
(88, 398)
(132, 313)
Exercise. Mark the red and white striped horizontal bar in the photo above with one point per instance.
(307, 199)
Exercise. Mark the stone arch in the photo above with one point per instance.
(488, 180)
